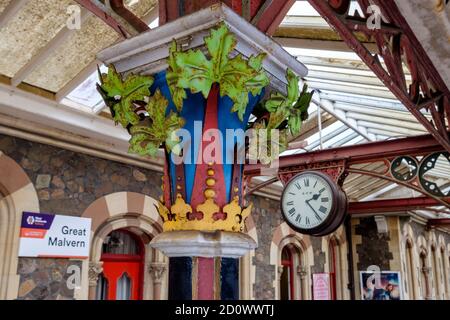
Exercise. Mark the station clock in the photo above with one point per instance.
(312, 203)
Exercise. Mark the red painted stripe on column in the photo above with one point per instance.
(205, 280)
(210, 122)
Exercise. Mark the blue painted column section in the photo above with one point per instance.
(229, 278)
(180, 278)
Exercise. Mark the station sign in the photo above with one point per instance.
(54, 236)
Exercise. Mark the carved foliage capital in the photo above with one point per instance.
(95, 268)
(157, 271)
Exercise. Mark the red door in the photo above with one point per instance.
(123, 267)
(123, 279)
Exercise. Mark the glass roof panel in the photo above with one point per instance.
(85, 96)
(86, 93)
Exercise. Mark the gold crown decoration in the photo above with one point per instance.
(177, 217)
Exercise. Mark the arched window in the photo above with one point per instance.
(123, 289)
(334, 269)
(121, 242)
(291, 274)
(409, 271)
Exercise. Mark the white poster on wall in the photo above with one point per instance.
(321, 286)
(54, 236)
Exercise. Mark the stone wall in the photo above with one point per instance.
(45, 279)
(374, 247)
(267, 217)
(68, 182)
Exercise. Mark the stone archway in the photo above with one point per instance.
(282, 236)
(125, 210)
(17, 194)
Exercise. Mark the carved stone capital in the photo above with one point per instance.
(301, 271)
(95, 268)
(280, 271)
(157, 270)
(426, 270)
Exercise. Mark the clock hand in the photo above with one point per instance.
(316, 196)
(315, 213)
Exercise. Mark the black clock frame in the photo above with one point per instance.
(338, 211)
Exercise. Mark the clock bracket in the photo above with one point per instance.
(335, 169)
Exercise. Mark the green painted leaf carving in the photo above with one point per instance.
(220, 43)
(236, 77)
(293, 107)
(119, 94)
(151, 133)
(196, 72)
(172, 75)
(299, 112)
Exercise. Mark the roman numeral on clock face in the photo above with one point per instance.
(298, 186)
(306, 182)
(325, 199)
(298, 218)
(307, 221)
(290, 203)
(323, 209)
(292, 211)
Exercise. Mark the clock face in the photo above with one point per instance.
(307, 201)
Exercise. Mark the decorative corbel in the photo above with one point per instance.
(382, 226)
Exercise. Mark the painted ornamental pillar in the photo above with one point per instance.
(191, 86)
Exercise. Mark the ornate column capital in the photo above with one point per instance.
(95, 268)
(426, 270)
(157, 270)
(280, 269)
(301, 271)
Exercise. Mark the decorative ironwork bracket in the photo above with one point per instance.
(398, 47)
(335, 169)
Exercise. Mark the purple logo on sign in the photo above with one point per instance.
(37, 220)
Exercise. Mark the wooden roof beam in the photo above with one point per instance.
(10, 11)
(47, 50)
